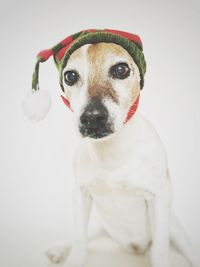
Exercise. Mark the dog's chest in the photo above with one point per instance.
(123, 211)
(116, 199)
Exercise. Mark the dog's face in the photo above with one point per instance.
(101, 82)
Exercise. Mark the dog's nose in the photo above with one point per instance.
(95, 115)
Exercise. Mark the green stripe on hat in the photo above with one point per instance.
(99, 36)
(63, 50)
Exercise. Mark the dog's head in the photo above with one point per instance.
(101, 74)
(101, 81)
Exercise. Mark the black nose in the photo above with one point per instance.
(95, 115)
(94, 121)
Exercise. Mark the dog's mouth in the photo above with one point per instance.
(95, 132)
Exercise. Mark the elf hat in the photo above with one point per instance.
(38, 104)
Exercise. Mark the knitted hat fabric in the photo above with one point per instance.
(64, 49)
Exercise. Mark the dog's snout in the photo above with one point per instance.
(94, 115)
(94, 121)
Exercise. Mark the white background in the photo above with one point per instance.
(35, 159)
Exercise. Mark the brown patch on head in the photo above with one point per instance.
(97, 55)
(102, 91)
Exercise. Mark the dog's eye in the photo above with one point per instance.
(71, 77)
(120, 71)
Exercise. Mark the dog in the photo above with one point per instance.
(121, 171)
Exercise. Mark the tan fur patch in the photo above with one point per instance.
(102, 91)
(135, 92)
(98, 85)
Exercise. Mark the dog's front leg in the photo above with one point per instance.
(159, 211)
(82, 208)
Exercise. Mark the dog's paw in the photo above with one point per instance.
(58, 255)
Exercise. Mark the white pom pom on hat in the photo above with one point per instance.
(36, 105)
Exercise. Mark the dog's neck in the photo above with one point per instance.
(113, 149)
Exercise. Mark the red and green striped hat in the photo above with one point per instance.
(63, 50)
(36, 106)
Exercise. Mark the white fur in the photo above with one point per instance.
(124, 178)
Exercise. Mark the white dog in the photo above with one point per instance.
(120, 168)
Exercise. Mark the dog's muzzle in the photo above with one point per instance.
(94, 120)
